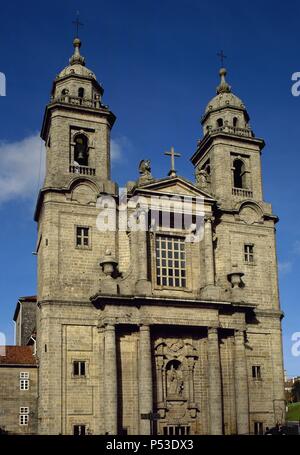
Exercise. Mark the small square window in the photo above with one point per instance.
(24, 375)
(249, 253)
(24, 384)
(256, 372)
(24, 410)
(82, 237)
(79, 430)
(79, 369)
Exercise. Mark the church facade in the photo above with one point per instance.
(147, 324)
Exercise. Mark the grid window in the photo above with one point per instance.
(258, 428)
(24, 410)
(249, 253)
(256, 372)
(170, 261)
(24, 415)
(79, 430)
(82, 236)
(23, 419)
(24, 384)
(79, 368)
(24, 375)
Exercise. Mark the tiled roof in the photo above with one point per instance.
(17, 355)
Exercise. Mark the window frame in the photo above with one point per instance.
(24, 415)
(172, 236)
(89, 245)
(256, 372)
(248, 254)
(24, 375)
(24, 384)
(80, 363)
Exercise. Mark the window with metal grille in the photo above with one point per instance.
(256, 372)
(79, 430)
(78, 368)
(170, 261)
(82, 236)
(249, 253)
(258, 428)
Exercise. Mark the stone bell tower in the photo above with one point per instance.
(76, 130)
(76, 127)
(228, 143)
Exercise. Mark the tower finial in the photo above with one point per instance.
(76, 57)
(223, 87)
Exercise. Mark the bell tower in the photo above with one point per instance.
(227, 159)
(76, 127)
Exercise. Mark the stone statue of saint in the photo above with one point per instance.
(202, 178)
(175, 381)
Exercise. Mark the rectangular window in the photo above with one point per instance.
(249, 253)
(258, 428)
(82, 236)
(170, 261)
(78, 368)
(24, 384)
(24, 415)
(79, 430)
(256, 372)
(23, 419)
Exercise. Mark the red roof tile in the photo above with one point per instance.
(17, 355)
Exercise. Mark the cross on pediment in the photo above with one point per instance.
(172, 154)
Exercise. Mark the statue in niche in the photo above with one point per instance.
(175, 383)
(202, 178)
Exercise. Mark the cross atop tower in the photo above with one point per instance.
(222, 57)
(172, 154)
(77, 24)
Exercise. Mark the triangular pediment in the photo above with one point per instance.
(173, 186)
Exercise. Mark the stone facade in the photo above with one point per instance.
(201, 347)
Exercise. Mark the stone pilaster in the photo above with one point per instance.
(110, 380)
(209, 253)
(241, 383)
(214, 383)
(145, 378)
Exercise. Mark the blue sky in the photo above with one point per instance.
(157, 61)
